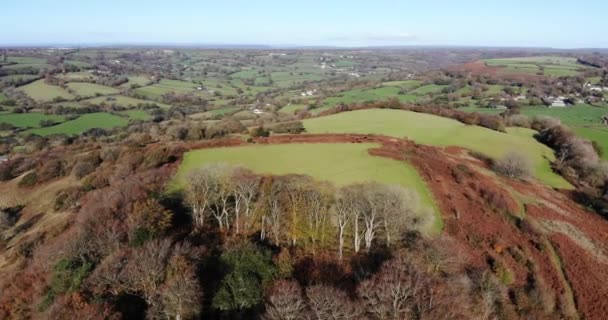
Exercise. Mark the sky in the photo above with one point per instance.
(515, 23)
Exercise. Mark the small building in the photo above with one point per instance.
(3, 159)
(257, 111)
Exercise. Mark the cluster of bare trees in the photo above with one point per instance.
(402, 289)
(297, 210)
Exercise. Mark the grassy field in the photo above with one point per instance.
(434, 130)
(124, 101)
(599, 134)
(137, 114)
(83, 123)
(547, 65)
(166, 86)
(572, 116)
(28, 120)
(39, 90)
(339, 163)
(365, 95)
(429, 88)
(291, 108)
(85, 89)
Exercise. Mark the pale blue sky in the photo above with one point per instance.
(556, 23)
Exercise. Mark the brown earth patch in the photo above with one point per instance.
(481, 68)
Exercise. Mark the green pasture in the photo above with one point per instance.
(85, 89)
(340, 163)
(28, 120)
(439, 131)
(41, 91)
(83, 123)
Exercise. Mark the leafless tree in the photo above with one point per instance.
(394, 291)
(328, 303)
(201, 191)
(285, 302)
(514, 165)
(246, 188)
(342, 215)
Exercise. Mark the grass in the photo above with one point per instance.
(599, 134)
(429, 88)
(406, 84)
(124, 101)
(291, 108)
(166, 86)
(137, 80)
(28, 120)
(365, 95)
(83, 123)
(137, 115)
(572, 116)
(39, 90)
(551, 66)
(85, 89)
(339, 163)
(438, 131)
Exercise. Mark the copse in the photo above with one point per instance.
(296, 210)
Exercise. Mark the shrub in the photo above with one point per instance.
(514, 165)
(29, 179)
(288, 127)
(259, 132)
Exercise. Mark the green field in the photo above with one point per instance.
(85, 89)
(291, 108)
(137, 80)
(137, 115)
(340, 163)
(166, 86)
(551, 66)
(39, 90)
(572, 116)
(405, 84)
(27, 120)
(123, 101)
(429, 88)
(439, 131)
(599, 134)
(83, 123)
(366, 95)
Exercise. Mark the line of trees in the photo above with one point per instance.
(296, 210)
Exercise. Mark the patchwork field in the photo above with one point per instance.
(339, 163)
(85, 89)
(28, 120)
(434, 130)
(123, 101)
(83, 123)
(39, 90)
(543, 65)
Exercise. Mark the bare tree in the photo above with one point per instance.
(285, 302)
(145, 271)
(514, 165)
(392, 293)
(181, 293)
(317, 201)
(201, 191)
(342, 215)
(328, 303)
(246, 188)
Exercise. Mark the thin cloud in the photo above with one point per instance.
(376, 37)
